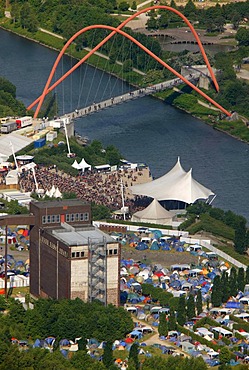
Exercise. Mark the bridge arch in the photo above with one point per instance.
(47, 89)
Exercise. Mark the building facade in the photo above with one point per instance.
(69, 257)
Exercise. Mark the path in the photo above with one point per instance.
(96, 107)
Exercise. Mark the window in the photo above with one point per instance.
(115, 251)
(73, 254)
(76, 217)
(77, 254)
(82, 254)
(86, 216)
(67, 217)
(110, 252)
(72, 217)
(51, 219)
(81, 216)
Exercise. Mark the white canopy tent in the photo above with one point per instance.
(154, 214)
(84, 165)
(76, 165)
(177, 184)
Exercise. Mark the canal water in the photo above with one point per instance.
(145, 130)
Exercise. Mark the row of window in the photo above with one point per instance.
(77, 217)
(110, 252)
(72, 217)
(78, 254)
(51, 219)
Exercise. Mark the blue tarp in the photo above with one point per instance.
(233, 305)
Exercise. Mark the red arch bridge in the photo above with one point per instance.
(48, 88)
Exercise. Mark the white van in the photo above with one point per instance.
(244, 300)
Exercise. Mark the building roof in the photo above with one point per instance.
(18, 142)
(73, 236)
(61, 203)
(177, 184)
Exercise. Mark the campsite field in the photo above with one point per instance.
(164, 258)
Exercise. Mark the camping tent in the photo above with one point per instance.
(154, 213)
(174, 185)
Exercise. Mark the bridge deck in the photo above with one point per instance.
(95, 107)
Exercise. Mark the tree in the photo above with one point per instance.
(172, 320)
(181, 311)
(233, 282)
(216, 292)
(163, 325)
(123, 6)
(241, 279)
(134, 5)
(247, 275)
(199, 302)
(108, 355)
(224, 356)
(240, 239)
(226, 288)
(133, 355)
(190, 307)
(242, 36)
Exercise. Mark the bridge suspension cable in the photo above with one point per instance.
(115, 30)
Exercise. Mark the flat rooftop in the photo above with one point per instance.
(80, 235)
(60, 203)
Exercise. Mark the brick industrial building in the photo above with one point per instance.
(69, 257)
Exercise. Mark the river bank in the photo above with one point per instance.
(56, 42)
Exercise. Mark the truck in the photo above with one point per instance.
(24, 121)
(8, 127)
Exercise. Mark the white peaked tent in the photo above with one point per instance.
(76, 165)
(177, 184)
(57, 193)
(84, 166)
(154, 214)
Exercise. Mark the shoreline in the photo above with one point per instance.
(208, 122)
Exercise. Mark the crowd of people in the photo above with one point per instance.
(100, 188)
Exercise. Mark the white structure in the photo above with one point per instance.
(177, 184)
(83, 165)
(154, 214)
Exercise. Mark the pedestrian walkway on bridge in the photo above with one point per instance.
(95, 107)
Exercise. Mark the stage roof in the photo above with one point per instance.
(177, 184)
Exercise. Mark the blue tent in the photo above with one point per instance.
(50, 340)
(180, 249)
(157, 233)
(37, 343)
(64, 352)
(136, 333)
(154, 246)
(64, 342)
(166, 247)
(141, 246)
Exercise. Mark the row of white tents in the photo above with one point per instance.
(83, 165)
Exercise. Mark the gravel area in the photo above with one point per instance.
(164, 258)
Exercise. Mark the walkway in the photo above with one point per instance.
(96, 107)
